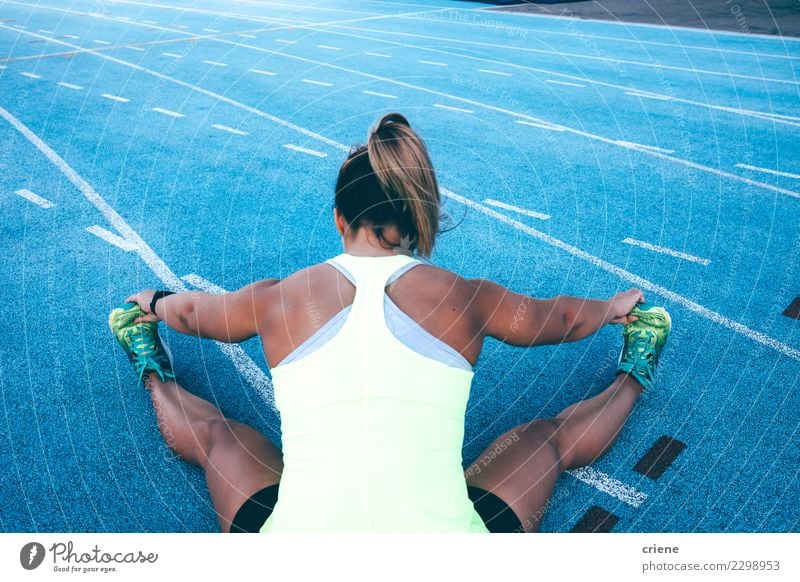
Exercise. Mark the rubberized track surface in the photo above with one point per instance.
(196, 145)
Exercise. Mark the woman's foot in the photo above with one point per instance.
(644, 340)
(141, 342)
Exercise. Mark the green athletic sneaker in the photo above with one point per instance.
(644, 340)
(140, 342)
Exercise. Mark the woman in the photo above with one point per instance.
(371, 356)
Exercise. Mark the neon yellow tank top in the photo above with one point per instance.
(372, 430)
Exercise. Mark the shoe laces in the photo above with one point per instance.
(641, 353)
(145, 352)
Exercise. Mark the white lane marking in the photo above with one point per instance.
(433, 63)
(541, 125)
(379, 55)
(149, 22)
(666, 251)
(69, 85)
(493, 72)
(2, 66)
(609, 485)
(213, 30)
(768, 171)
(644, 95)
(565, 83)
(376, 94)
(525, 211)
(215, 63)
(638, 281)
(451, 108)
(302, 150)
(35, 198)
(638, 146)
(243, 35)
(254, 375)
(111, 238)
(320, 83)
(72, 36)
(30, 75)
(244, 365)
(284, 41)
(181, 26)
(19, 26)
(101, 42)
(43, 31)
(261, 72)
(172, 55)
(115, 98)
(328, 47)
(167, 112)
(229, 129)
(135, 48)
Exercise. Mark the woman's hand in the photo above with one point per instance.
(143, 299)
(622, 303)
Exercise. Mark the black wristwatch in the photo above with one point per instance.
(156, 296)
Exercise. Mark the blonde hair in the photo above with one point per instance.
(391, 182)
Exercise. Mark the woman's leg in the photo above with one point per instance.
(522, 466)
(237, 459)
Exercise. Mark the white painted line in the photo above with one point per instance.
(768, 171)
(320, 83)
(638, 146)
(69, 85)
(111, 238)
(655, 96)
(19, 26)
(525, 211)
(433, 63)
(247, 35)
(284, 41)
(72, 36)
(229, 129)
(30, 75)
(565, 83)
(493, 72)
(101, 42)
(167, 112)
(540, 125)
(450, 108)
(135, 48)
(328, 47)
(252, 373)
(149, 22)
(376, 94)
(203, 284)
(172, 55)
(2, 66)
(302, 150)
(43, 31)
(116, 98)
(213, 30)
(35, 198)
(638, 281)
(379, 55)
(181, 26)
(261, 72)
(609, 485)
(215, 63)
(666, 251)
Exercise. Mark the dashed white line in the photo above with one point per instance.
(30, 75)
(229, 129)
(172, 55)
(243, 35)
(638, 146)
(35, 198)
(666, 251)
(302, 150)
(135, 48)
(644, 95)
(43, 31)
(609, 485)
(376, 94)
(167, 112)
(149, 22)
(320, 83)
(69, 85)
(517, 209)
(328, 47)
(72, 36)
(215, 63)
(451, 108)
(379, 55)
(212, 30)
(565, 83)
(433, 63)
(112, 238)
(181, 26)
(105, 42)
(493, 72)
(284, 41)
(19, 26)
(768, 171)
(262, 72)
(540, 125)
(116, 98)
(2, 66)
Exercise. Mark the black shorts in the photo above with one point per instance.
(494, 512)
